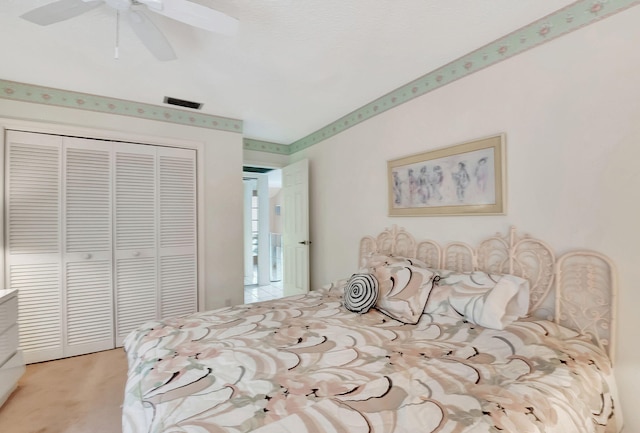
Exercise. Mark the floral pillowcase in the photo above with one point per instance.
(404, 285)
(407, 288)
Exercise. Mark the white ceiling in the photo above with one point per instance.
(294, 66)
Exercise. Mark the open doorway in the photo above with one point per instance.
(262, 234)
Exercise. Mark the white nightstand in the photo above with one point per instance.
(11, 361)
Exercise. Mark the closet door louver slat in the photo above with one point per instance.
(177, 195)
(88, 292)
(136, 293)
(89, 307)
(33, 262)
(135, 237)
(34, 199)
(88, 200)
(178, 288)
(177, 202)
(39, 317)
(135, 202)
(101, 237)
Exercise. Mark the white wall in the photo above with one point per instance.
(570, 110)
(263, 159)
(222, 165)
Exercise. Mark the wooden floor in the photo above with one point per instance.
(82, 394)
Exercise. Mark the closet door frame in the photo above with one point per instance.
(101, 134)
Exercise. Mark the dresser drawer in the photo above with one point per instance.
(8, 343)
(10, 374)
(8, 313)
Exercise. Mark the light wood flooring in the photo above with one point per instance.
(82, 394)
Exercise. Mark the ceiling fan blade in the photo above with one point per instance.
(151, 36)
(195, 15)
(59, 11)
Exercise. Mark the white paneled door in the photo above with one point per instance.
(101, 238)
(295, 233)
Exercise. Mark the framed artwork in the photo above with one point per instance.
(465, 179)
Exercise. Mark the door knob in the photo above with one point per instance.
(304, 242)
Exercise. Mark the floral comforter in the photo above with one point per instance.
(306, 364)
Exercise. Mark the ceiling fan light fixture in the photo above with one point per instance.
(182, 103)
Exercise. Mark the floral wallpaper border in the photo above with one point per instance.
(266, 146)
(561, 22)
(572, 17)
(84, 101)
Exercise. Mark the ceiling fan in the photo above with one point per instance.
(185, 11)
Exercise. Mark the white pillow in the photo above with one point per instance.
(489, 300)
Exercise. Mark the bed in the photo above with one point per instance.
(503, 337)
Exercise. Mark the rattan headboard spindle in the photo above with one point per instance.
(578, 289)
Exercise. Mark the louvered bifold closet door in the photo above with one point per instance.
(136, 294)
(177, 234)
(33, 226)
(87, 259)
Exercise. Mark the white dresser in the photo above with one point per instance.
(11, 361)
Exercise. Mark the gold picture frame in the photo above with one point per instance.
(464, 179)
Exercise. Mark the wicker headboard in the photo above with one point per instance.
(577, 289)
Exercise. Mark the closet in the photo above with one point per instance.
(100, 238)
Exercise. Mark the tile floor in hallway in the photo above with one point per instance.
(255, 293)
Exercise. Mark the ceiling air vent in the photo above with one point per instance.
(248, 169)
(182, 103)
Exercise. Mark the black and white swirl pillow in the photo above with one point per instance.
(361, 293)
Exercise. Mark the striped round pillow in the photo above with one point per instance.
(361, 293)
